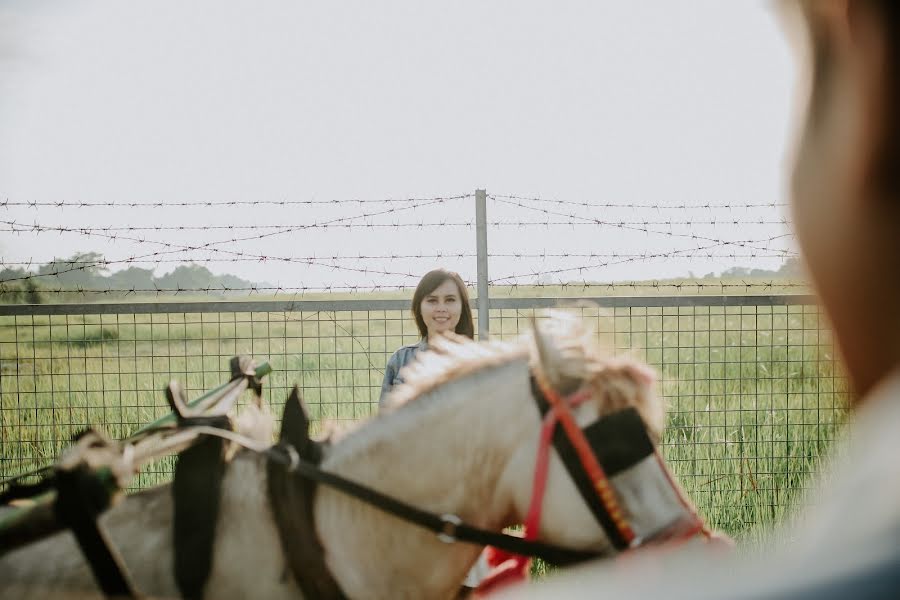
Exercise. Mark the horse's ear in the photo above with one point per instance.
(294, 420)
(552, 363)
(543, 346)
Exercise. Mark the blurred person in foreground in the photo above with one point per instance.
(846, 211)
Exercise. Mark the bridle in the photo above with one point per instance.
(595, 457)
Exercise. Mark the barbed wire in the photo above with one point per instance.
(5, 203)
(86, 265)
(359, 201)
(154, 258)
(135, 228)
(209, 246)
(637, 206)
(643, 229)
(179, 248)
(393, 257)
(282, 229)
(217, 290)
(161, 204)
(677, 285)
(170, 252)
(684, 253)
(359, 288)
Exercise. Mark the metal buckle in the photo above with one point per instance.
(293, 456)
(448, 532)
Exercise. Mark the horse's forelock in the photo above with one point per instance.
(569, 355)
(625, 382)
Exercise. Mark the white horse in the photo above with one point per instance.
(460, 438)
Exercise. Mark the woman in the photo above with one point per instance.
(440, 304)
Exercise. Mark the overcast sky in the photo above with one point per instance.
(644, 102)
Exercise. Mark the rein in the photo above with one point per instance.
(449, 528)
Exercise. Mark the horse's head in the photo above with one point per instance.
(595, 389)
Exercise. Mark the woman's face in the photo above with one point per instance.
(441, 308)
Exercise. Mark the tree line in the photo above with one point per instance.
(88, 271)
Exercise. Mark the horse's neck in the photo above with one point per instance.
(444, 452)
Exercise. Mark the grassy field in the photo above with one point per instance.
(754, 393)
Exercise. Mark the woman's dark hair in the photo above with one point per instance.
(430, 282)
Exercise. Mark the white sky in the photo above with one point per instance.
(639, 102)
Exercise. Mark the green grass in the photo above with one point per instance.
(754, 394)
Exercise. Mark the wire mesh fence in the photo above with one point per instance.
(754, 392)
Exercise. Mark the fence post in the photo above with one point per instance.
(484, 317)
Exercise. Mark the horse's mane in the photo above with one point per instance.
(564, 348)
(449, 358)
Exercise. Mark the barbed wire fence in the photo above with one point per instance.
(699, 232)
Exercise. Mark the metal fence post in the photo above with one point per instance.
(484, 317)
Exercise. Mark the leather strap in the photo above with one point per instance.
(449, 528)
(81, 498)
(291, 499)
(196, 491)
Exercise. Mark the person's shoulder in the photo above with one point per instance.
(403, 353)
(405, 349)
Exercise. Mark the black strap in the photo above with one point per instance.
(196, 493)
(19, 491)
(449, 528)
(619, 440)
(291, 499)
(81, 498)
(569, 456)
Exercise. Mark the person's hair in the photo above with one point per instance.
(884, 177)
(430, 282)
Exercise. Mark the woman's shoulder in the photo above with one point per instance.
(405, 353)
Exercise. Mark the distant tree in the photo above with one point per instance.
(88, 270)
(792, 267)
(12, 285)
(186, 277)
(83, 269)
(131, 278)
(736, 272)
(12, 273)
(194, 277)
(10, 293)
(32, 292)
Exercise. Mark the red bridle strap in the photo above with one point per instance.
(589, 462)
(539, 485)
